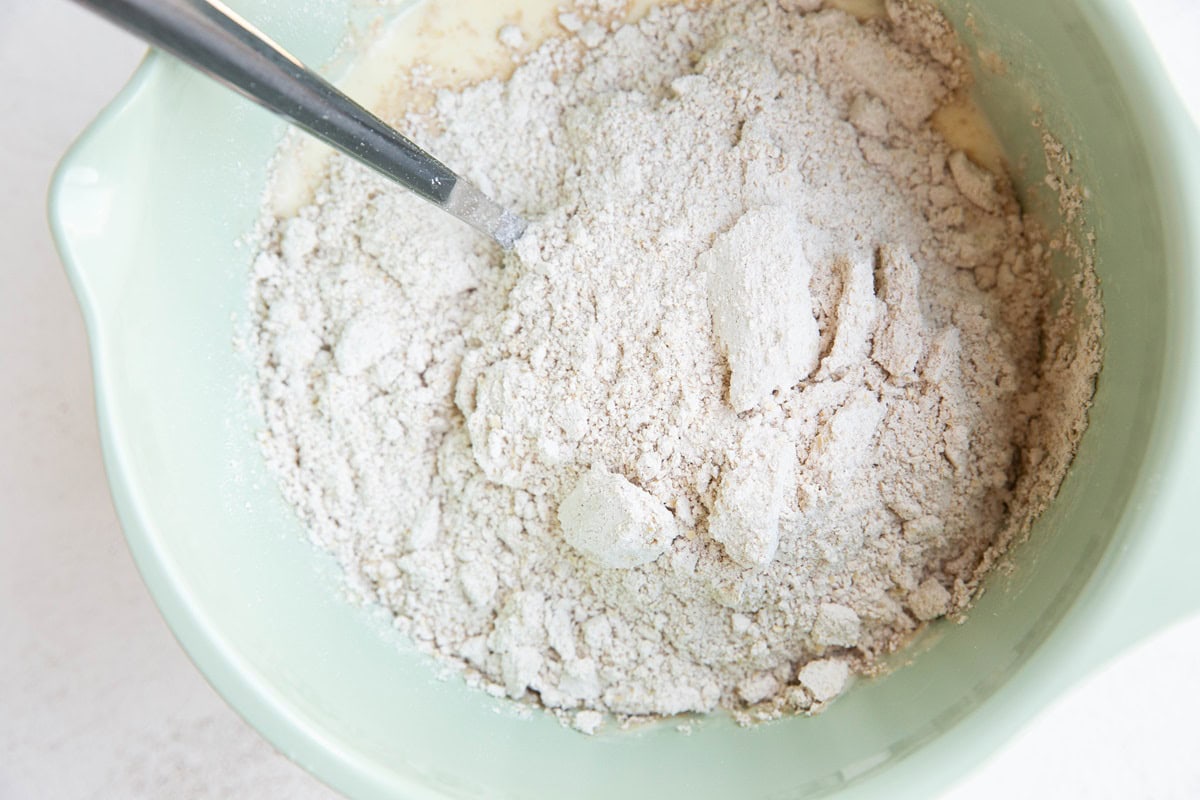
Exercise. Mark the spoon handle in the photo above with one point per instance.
(214, 40)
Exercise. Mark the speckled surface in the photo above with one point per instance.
(96, 698)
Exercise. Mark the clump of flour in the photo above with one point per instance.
(759, 392)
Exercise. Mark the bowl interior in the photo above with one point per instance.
(151, 206)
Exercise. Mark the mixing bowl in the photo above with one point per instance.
(148, 209)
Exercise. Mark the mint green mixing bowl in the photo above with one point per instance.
(147, 209)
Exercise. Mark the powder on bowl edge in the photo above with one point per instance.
(761, 391)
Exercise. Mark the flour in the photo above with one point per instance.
(614, 523)
(770, 345)
(759, 392)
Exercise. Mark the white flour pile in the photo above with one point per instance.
(772, 379)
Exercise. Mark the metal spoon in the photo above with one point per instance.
(214, 40)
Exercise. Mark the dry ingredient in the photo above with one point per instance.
(773, 378)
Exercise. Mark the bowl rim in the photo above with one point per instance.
(1127, 583)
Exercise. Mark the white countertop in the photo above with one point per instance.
(96, 698)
